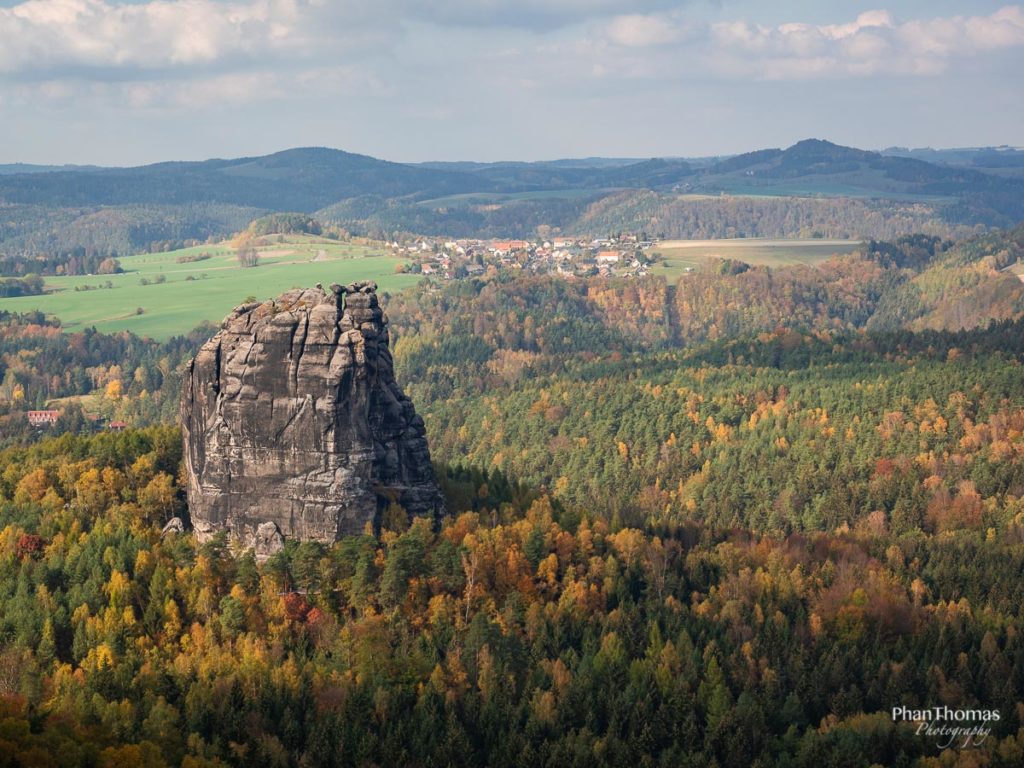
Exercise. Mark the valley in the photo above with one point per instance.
(593, 497)
(571, 384)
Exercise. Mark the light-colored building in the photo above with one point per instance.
(43, 418)
(507, 246)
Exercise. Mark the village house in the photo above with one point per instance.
(561, 255)
(508, 246)
(43, 418)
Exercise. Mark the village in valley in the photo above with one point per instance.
(622, 255)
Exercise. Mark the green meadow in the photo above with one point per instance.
(194, 291)
(680, 255)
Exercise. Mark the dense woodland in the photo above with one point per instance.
(129, 378)
(41, 239)
(658, 214)
(730, 522)
(676, 217)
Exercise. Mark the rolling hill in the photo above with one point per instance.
(115, 211)
(296, 179)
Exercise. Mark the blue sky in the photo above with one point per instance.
(103, 81)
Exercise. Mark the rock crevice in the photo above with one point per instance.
(291, 415)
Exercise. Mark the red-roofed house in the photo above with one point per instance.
(507, 246)
(43, 418)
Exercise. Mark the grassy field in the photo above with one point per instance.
(217, 285)
(680, 255)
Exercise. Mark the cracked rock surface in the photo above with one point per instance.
(291, 416)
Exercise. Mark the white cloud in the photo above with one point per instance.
(875, 43)
(182, 54)
(40, 36)
(108, 40)
(638, 31)
(528, 14)
(866, 20)
(666, 46)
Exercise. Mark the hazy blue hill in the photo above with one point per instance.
(965, 194)
(520, 177)
(811, 158)
(651, 173)
(568, 162)
(308, 179)
(996, 158)
(50, 209)
(12, 168)
(814, 156)
(296, 179)
(593, 173)
(986, 158)
(745, 161)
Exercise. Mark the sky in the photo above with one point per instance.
(124, 83)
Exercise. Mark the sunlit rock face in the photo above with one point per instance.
(291, 416)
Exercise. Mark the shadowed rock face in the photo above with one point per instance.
(292, 417)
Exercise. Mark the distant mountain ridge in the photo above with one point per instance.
(55, 209)
(310, 178)
(13, 168)
(296, 179)
(979, 157)
(815, 158)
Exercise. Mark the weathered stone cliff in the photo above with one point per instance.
(292, 417)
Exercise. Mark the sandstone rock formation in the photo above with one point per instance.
(174, 525)
(269, 540)
(293, 423)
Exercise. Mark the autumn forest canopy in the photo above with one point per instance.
(732, 519)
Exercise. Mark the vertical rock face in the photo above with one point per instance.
(292, 418)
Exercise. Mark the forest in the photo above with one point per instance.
(733, 522)
(76, 240)
(656, 213)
